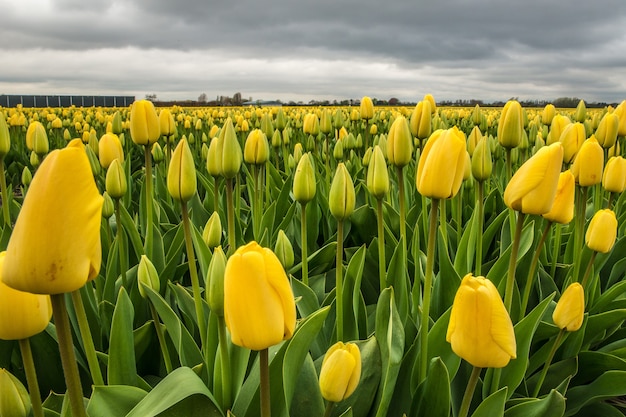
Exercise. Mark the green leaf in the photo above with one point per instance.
(439, 347)
(608, 385)
(446, 282)
(434, 394)
(492, 406)
(122, 369)
(352, 294)
(464, 258)
(397, 277)
(552, 405)
(599, 324)
(113, 400)
(307, 399)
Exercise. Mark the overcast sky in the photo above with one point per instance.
(316, 49)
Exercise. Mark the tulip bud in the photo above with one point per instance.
(230, 151)
(304, 185)
(212, 233)
(587, 167)
(280, 121)
(181, 175)
(284, 250)
(562, 210)
(157, 153)
(297, 152)
(581, 112)
(548, 114)
(36, 135)
(341, 371)
(474, 137)
(614, 178)
(377, 174)
(602, 231)
(366, 108)
(533, 186)
(27, 177)
(480, 329)
(441, 165)
(342, 197)
(215, 282)
(266, 125)
(14, 399)
(400, 143)
(326, 122)
(421, 120)
(572, 139)
(5, 138)
(559, 123)
(115, 182)
(144, 123)
(338, 150)
(620, 111)
(256, 150)
(116, 123)
(606, 133)
(570, 310)
(481, 161)
(147, 275)
(167, 124)
(93, 161)
(108, 208)
(511, 125)
(109, 148)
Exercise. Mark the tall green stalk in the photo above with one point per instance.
(382, 274)
(121, 245)
(581, 206)
(149, 218)
(85, 334)
(225, 364)
(556, 249)
(480, 207)
(339, 280)
(31, 377)
(469, 392)
(161, 337)
(400, 173)
(5, 194)
(544, 371)
(266, 409)
(533, 268)
(510, 280)
(230, 213)
(304, 245)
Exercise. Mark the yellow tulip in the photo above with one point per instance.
(572, 138)
(14, 399)
(533, 186)
(562, 210)
(215, 282)
(259, 306)
(366, 108)
(256, 150)
(433, 105)
(5, 138)
(230, 151)
(167, 124)
(377, 174)
(581, 112)
(482, 164)
(480, 329)
(109, 149)
(602, 231)
(511, 125)
(420, 124)
(212, 232)
(37, 139)
(548, 114)
(559, 123)
(304, 180)
(147, 275)
(181, 175)
(341, 371)
(606, 133)
(144, 123)
(342, 196)
(588, 164)
(614, 177)
(442, 164)
(399, 143)
(570, 310)
(52, 257)
(620, 111)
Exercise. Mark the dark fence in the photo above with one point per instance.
(65, 101)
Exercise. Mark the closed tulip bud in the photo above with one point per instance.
(562, 210)
(115, 182)
(400, 143)
(284, 250)
(367, 156)
(367, 108)
(277, 139)
(614, 177)
(56, 123)
(581, 112)
(533, 186)
(570, 310)
(338, 150)
(480, 329)
(215, 282)
(34, 160)
(144, 123)
(477, 116)
(147, 275)
(45, 257)
(157, 153)
(181, 175)
(38, 139)
(214, 157)
(108, 208)
(109, 149)
(326, 122)
(27, 177)
(14, 399)
(474, 137)
(338, 119)
(482, 164)
(281, 121)
(256, 150)
(266, 125)
(259, 306)
(343, 132)
(602, 231)
(377, 174)
(441, 165)
(116, 123)
(297, 152)
(548, 114)
(420, 124)
(431, 100)
(66, 135)
(304, 185)
(5, 138)
(511, 125)
(620, 111)
(572, 139)
(559, 123)
(230, 151)
(589, 162)
(341, 371)
(373, 129)
(212, 232)
(167, 124)
(94, 163)
(342, 197)
(606, 133)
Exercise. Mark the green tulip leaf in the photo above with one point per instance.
(446, 282)
(608, 297)
(113, 400)
(599, 326)
(492, 406)
(438, 346)
(552, 405)
(464, 258)
(397, 277)
(122, 369)
(433, 399)
(307, 399)
(600, 409)
(608, 385)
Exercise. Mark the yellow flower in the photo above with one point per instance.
(167, 124)
(304, 180)
(14, 399)
(442, 164)
(342, 197)
(377, 174)
(587, 167)
(109, 149)
(37, 139)
(511, 125)
(144, 123)
(559, 123)
(614, 177)
(480, 329)
(52, 257)
(572, 139)
(366, 108)
(620, 111)
(181, 175)
(5, 138)
(421, 120)
(602, 231)
(570, 310)
(259, 306)
(606, 133)
(433, 105)
(562, 210)
(482, 165)
(256, 150)
(341, 371)
(212, 232)
(147, 275)
(215, 282)
(230, 150)
(548, 114)
(533, 186)
(399, 143)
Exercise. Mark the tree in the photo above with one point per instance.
(202, 98)
(151, 97)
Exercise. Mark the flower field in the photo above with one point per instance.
(313, 261)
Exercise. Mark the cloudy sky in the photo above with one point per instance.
(322, 49)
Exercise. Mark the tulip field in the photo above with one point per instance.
(318, 261)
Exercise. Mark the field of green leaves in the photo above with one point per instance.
(313, 261)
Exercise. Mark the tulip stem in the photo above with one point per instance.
(469, 392)
(121, 244)
(161, 338)
(85, 334)
(533, 267)
(400, 173)
(556, 250)
(149, 220)
(382, 274)
(266, 410)
(581, 207)
(193, 272)
(544, 371)
(304, 244)
(480, 204)
(225, 364)
(339, 280)
(68, 359)
(31, 377)
(5, 194)
(585, 279)
(256, 204)
(230, 213)
(428, 278)
(510, 281)
(216, 194)
(329, 409)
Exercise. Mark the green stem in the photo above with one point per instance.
(544, 371)
(400, 173)
(256, 207)
(581, 206)
(329, 409)
(304, 244)
(459, 214)
(5, 194)
(68, 359)
(85, 334)
(508, 294)
(193, 272)
(339, 280)
(585, 279)
(266, 409)
(480, 204)
(121, 246)
(533, 267)
(382, 274)
(230, 213)
(161, 337)
(225, 364)
(149, 219)
(216, 194)
(469, 392)
(443, 221)
(31, 377)
(556, 250)
(428, 278)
